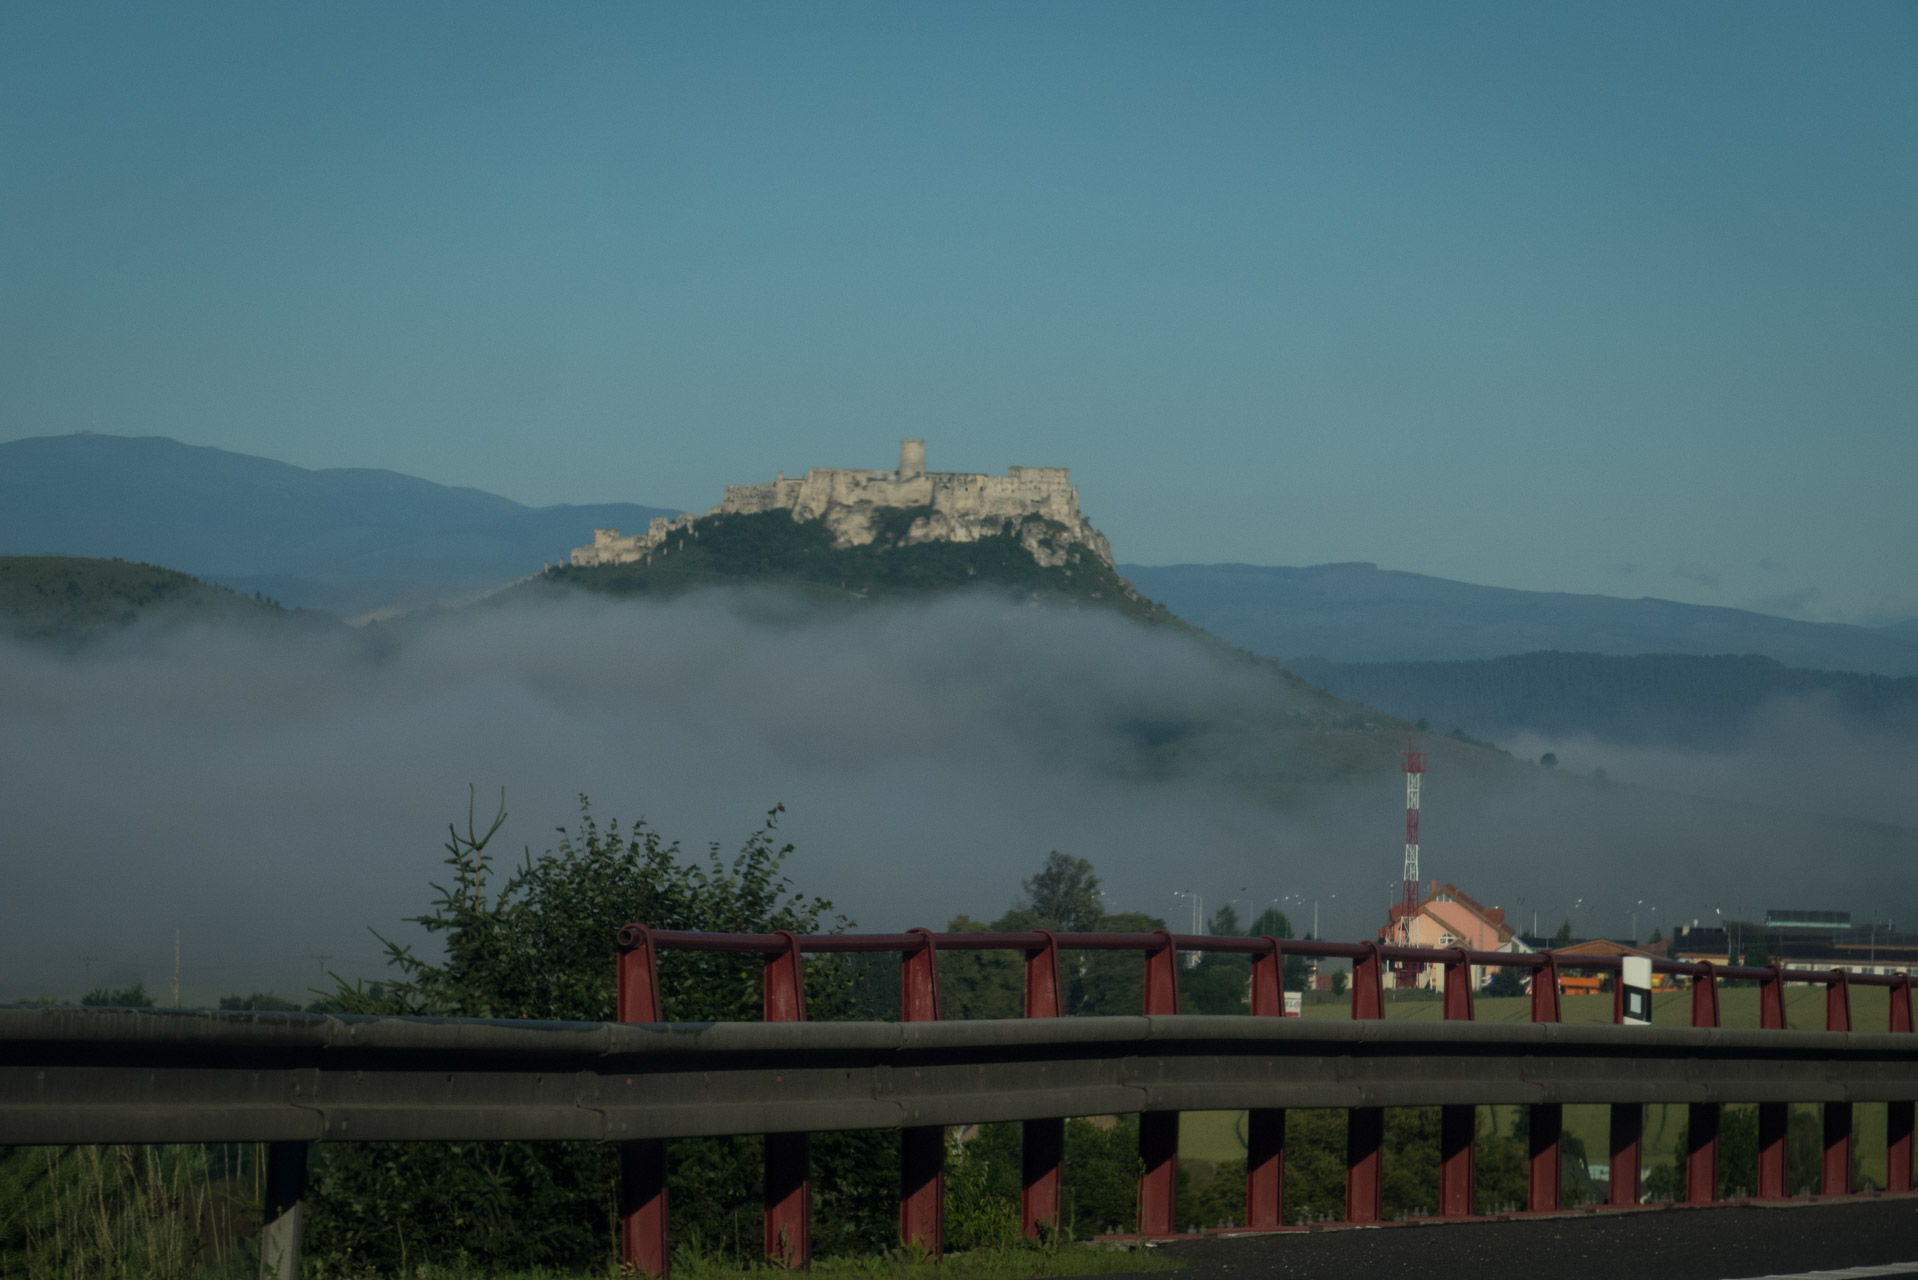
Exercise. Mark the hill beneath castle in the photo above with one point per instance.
(770, 547)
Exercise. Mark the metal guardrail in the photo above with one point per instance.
(96, 1076)
(643, 1234)
(124, 1076)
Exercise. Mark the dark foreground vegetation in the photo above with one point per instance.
(534, 939)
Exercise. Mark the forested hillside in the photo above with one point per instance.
(43, 596)
(772, 547)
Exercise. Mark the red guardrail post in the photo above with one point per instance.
(1774, 1118)
(922, 1149)
(642, 1165)
(1837, 1179)
(1547, 1118)
(1457, 1122)
(1365, 1126)
(1044, 1149)
(1627, 1129)
(1898, 1114)
(1701, 1131)
(788, 1155)
(1265, 1126)
(1159, 1130)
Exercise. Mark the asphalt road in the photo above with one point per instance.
(1731, 1243)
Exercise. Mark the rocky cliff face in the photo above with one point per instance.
(1038, 503)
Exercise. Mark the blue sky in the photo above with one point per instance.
(1596, 298)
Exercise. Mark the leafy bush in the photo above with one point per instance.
(541, 945)
(1738, 1157)
(1063, 896)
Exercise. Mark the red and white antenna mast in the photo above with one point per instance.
(1414, 767)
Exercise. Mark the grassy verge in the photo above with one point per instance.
(998, 1262)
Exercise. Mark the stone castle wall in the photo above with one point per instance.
(963, 508)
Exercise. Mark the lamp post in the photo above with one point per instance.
(1197, 902)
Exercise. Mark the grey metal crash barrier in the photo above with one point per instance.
(120, 1076)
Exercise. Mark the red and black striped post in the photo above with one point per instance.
(1701, 1133)
(1837, 1179)
(1898, 1114)
(1365, 1126)
(788, 1195)
(642, 1165)
(1457, 1122)
(1774, 1118)
(1265, 1126)
(1547, 1118)
(922, 1149)
(1159, 1130)
(1627, 1127)
(1043, 1156)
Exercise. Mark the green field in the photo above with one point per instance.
(1219, 1135)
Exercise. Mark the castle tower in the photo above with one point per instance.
(912, 459)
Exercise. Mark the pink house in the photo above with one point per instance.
(1449, 918)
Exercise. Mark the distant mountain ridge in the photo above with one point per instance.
(1360, 613)
(345, 539)
(1684, 700)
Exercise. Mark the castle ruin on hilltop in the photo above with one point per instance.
(958, 507)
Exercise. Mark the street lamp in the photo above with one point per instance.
(1198, 921)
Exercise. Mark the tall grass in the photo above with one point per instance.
(193, 1213)
(129, 1213)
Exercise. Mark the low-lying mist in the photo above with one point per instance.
(270, 796)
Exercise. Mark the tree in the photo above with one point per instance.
(1549, 760)
(1658, 935)
(1564, 934)
(133, 997)
(1758, 954)
(1273, 923)
(1270, 922)
(539, 943)
(1507, 980)
(260, 1001)
(1065, 894)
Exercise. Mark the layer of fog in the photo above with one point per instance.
(1802, 753)
(270, 796)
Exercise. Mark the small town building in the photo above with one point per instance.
(1813, 941)
(1448, 917)
(1575, 982)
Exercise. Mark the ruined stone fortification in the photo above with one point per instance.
(961, 508)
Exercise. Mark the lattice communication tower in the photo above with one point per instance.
(1414, 770)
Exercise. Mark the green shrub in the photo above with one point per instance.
(541, 945)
